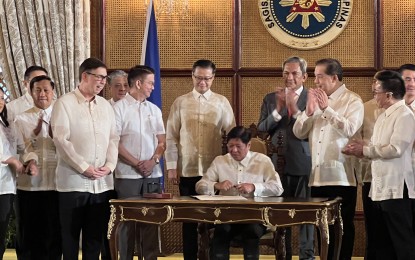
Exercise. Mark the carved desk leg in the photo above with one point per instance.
(338, 232)
(323, 227)
(279, 239)
(204, 238)
(112, 233)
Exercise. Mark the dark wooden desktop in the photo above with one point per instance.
(270, 211)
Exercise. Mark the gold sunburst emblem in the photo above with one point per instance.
(305, 8)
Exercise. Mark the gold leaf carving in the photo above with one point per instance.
(217, 212)
(144, 210)
(291, 213)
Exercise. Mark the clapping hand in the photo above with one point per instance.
(280, 98)
(38, 128)
(311, 102)
(322, 98)
(355, 148)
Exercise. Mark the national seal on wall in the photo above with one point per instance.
(305, 24)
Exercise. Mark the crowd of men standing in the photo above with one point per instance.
(80, 151)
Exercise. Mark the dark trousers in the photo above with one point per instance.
(87, 212)
(394, 236)
(6, 205)
(370, 216)
(39, 227)
(297, 187)
(249, 235)
(348, 207)
(190, 241)
(146, 236)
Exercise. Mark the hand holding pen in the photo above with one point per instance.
(245, 188)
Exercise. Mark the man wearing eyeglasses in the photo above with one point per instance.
(84, 133)
(194, 139)
(364, 170)
(393, 182)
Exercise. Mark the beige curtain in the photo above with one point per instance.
(54, 34)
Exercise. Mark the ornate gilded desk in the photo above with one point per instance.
(270, 211)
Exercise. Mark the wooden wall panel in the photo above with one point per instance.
(124, 27)
(96, 28)
(398, 32)
(205, 33)
(353, 48)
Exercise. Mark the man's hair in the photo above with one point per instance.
(333, 67)
(116, 74)
(302, 62)
(138, 72)
(90, 64)
(32, 69)
(391, 81)
(406, 67)
(40, 78)
(205, 64)
(239, 132)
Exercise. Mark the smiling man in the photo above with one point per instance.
(142, 143)
(194, 138)
(84, 133)
(278, 112)
(239, 172)
(118, 84)
(393, 180)
(333, 115)
(25, 102)
(36, 192)
(408, 75)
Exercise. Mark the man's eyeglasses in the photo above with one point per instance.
(408, 79)
(97, 76)
(200, 79)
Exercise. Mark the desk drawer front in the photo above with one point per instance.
(289, 217)
(218, 215)
(148, 215)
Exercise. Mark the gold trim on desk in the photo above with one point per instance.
(146, 217)
(113, 217)
(273, 212)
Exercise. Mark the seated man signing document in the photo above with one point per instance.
(245, 173)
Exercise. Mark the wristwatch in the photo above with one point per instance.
(156, 159)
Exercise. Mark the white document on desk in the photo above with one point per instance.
(218, 197)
